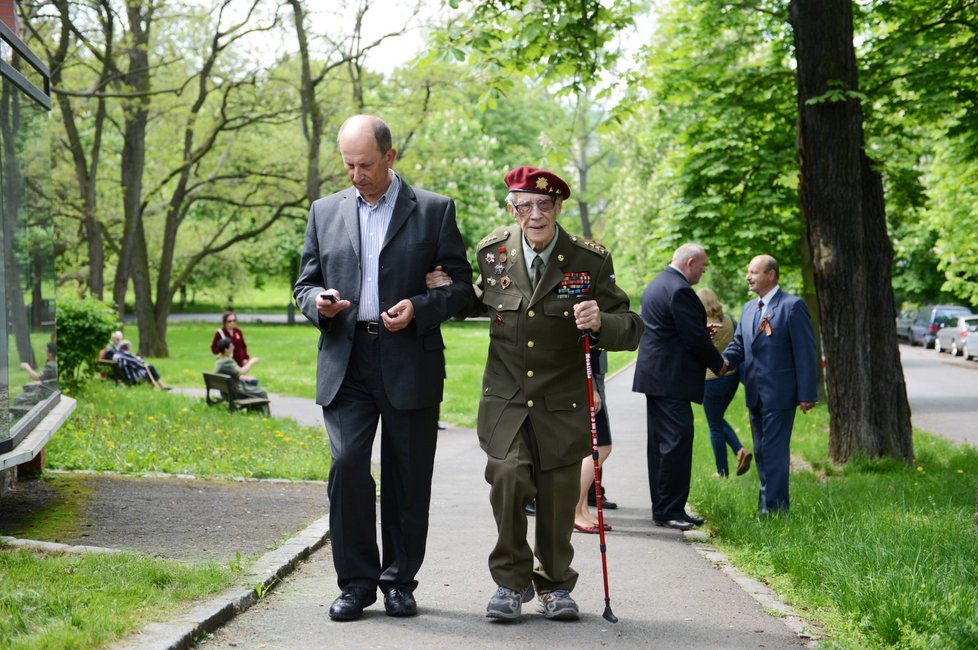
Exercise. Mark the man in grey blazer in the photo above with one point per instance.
(381, 358)
(774, 346)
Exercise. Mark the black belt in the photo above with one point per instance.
(368, 326)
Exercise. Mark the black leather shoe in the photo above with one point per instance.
(400, 602)
(693, 519)
(605, 504)
(349, 605)
(531, 508)
(678, 524)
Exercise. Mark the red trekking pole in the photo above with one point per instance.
(608, 615)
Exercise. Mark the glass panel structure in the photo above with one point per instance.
(28, 350)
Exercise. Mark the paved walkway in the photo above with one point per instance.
(666, 590)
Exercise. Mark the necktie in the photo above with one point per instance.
(537, 267)
(757, 315)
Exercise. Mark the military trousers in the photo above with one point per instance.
(515, 481)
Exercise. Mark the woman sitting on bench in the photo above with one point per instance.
(241, 383)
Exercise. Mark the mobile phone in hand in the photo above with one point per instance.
(328, 297)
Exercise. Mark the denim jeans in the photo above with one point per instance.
(717, 396)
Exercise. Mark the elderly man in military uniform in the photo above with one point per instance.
(543, 289)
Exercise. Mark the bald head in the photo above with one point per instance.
(692, 260)
(365, 145)
(368, 126)
(762, 274)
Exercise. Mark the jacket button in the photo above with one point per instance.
(566, 314)
(529, 344)
(529, 404)
(529, 373)
(531, 313)
(486, 390)
(500, 306)
(574, 405)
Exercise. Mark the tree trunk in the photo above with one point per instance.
(86, 167)
(842, 202)
(312, 115)
(136, 81)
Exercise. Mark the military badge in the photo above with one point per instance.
(612, 278)
(502, 254)
(574, 285)
(498, 269)
(504, 282)
(491, 280)
(498, 319)
(490, 258)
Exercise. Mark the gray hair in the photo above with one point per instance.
(687, 252)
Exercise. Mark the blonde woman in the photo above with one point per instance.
(720, 391)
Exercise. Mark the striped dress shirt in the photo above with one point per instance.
(374, 221)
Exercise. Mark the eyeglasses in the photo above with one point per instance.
(525, 209)
(232, 320)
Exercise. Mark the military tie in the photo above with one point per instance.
(757, 315)
(537, 267)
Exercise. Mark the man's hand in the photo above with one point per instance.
(806, 406)
(588, 316)
(725, 369)
(712, 328)
(399, 316)
(328, 303)
(437, 278)
(597, 401)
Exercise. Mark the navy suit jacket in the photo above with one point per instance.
(778, 371)
(675, 348)
(422, 234)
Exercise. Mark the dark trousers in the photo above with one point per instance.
(670, 455)
(717, 396)
(407, 454)
(772, 455)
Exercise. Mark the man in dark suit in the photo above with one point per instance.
(542, 288)
(774, 346)
(671, 370)
(381, 357)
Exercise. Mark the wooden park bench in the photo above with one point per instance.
(222, 385)
(109, 370)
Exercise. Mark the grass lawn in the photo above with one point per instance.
(880, 554)
(79, 602)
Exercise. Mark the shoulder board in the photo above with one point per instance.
(590, 245)
(497, 235)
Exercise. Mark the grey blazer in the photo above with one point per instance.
(422, 234)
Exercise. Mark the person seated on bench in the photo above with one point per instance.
(134, 370)
(110, 349)
(48, 374)
(45, 382)
(241, 383)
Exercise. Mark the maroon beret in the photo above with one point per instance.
(537, 181)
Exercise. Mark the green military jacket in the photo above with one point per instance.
(535, 367)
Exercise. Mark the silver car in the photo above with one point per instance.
(930, 318)
(952, 336)
(969, 348)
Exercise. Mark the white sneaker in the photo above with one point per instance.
(558, 605)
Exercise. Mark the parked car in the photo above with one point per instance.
(969, 348)
(950, 338)
(903, 322)
(931, 318)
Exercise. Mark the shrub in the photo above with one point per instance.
(83, 328)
